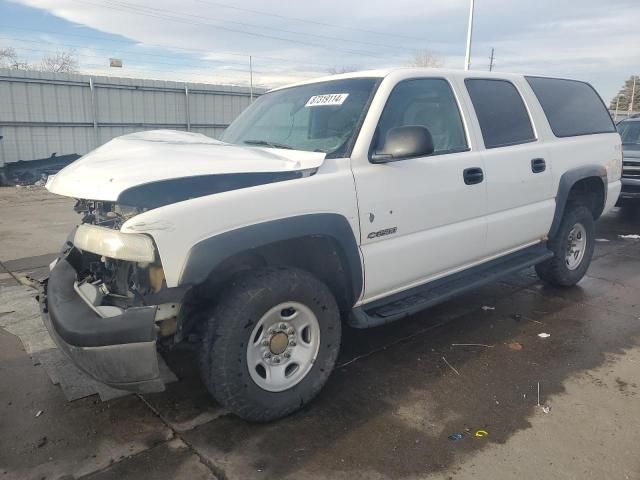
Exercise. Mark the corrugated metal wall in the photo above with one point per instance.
(42, 114)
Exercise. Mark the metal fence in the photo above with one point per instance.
(55, 114)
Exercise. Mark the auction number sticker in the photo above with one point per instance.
(327, 100)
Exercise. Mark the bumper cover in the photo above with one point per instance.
(119, 351)
(630, 188)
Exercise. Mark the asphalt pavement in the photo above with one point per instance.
(468, 389)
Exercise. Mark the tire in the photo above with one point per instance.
(233, 356)
(561, 270)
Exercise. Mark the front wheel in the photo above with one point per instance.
(572, 247)
(271, 343)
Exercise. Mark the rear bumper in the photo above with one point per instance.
(630, 188)
(119, 351)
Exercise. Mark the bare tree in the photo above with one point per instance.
(623, 99)
(426, 58)
(60, 62)
(343, 69)
(9, 58)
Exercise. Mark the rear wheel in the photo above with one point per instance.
(271, 343)
(572, 247)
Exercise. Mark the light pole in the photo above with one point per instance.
(633, 95)
(250, 79)
(467, 57)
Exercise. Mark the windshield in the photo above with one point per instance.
(319, 117)
(630, 133)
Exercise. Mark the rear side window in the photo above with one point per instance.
(501, 112)
(572, 108)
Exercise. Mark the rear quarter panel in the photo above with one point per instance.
(569, 153)
(603, 149)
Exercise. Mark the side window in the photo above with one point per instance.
(501, 112)
(572, 107)
(427, 102)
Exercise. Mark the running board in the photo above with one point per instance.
(407, 303)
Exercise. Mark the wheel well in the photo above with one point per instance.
(588, 192)
(319, 255)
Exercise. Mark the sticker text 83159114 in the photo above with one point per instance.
(327, 100)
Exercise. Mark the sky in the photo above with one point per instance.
(292, 40)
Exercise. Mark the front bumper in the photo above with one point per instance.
(630, 188)
(119, 351)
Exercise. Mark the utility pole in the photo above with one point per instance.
(615, 115)
(467, 56)
(491, 60)
(633, 94)
(250, 79)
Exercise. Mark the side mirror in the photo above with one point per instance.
(404, 142)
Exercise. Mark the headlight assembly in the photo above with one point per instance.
(134, 247)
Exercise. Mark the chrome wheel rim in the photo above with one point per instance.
(283, 346)
(576, 246)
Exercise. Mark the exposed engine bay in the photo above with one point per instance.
(121, 281)
(112, 285)
(106, 214)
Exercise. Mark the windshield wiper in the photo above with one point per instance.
(264, 143)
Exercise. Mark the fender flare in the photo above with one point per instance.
(207, 254)
(567, 181)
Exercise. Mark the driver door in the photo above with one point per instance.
(421, 218)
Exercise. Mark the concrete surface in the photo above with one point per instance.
(387, 411)
(20, 316)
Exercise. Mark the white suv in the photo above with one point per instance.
(361, 198)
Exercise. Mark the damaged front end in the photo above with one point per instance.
(106, 302)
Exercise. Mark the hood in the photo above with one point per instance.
(160, 156)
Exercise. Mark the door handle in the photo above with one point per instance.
(473, 175)
(538, 165)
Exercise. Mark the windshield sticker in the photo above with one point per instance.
(326, 100)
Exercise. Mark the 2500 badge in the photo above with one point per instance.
(382, 233)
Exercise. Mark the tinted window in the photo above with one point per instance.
(572, 108)
(501, 112)
(429, 103)
(630, 133)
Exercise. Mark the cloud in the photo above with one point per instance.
(587, 39)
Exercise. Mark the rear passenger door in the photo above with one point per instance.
(520, 201)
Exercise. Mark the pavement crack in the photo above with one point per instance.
(217, 471)
(2, 265)
(128, 457)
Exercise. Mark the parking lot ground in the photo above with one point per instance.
(387, 412)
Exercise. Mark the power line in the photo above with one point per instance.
(304, 20)
(155, 45)
(163, 11)
(210, 25)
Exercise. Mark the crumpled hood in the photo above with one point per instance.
(158, 155)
